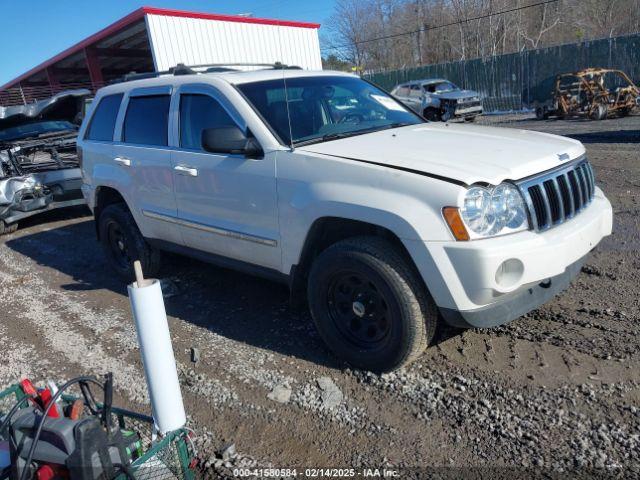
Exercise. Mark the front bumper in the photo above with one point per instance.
(513, 306)
(38, 192)
(468, 282)
(468, 111)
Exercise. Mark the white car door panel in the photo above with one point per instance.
(143, 152)
(226, 203)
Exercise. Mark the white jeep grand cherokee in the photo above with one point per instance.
(387, 223)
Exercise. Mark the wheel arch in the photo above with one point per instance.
(328, 230)
(105, 196)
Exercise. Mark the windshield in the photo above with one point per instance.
(35, 129)
(325, 108)
(440, 87)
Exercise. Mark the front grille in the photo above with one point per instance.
(556, 196)
(468, 103)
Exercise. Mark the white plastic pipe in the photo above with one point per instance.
(147, 306)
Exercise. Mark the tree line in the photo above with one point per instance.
(374, 35)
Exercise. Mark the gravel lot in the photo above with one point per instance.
(554, 392)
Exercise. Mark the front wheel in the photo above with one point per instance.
(431, 114)
(369, 306)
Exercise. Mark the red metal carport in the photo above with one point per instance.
(121, 48)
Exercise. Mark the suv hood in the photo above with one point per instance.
(63, 106)
(461, 153)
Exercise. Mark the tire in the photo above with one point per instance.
(431, 114)
(600, 112)
(6, 229)
(371, 274)
(123, 243)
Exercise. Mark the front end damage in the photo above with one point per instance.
(41, 172)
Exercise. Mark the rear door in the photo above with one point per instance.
(97, 144)
(142, 150)
(227, 203)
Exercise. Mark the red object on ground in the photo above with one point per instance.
(30, 391)
(45, 473)
(41, 399)
(28, 388)
(52, 472)
(45, 396)
(76, 410)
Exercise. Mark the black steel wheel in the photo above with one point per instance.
(118, 245)
(369, 305)
(359, 309)
(123, 243)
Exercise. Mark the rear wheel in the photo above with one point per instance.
(542, 113)
(6, 229)
(369, 306)
(123, 243)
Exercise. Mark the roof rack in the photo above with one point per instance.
(182, 69)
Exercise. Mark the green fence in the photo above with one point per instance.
(515, 81)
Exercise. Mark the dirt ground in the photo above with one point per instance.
(552, 393)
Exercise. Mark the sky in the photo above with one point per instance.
(35, 30)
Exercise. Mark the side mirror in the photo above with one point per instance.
(230, 140)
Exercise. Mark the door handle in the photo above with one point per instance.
(125, 162)
(182, 170)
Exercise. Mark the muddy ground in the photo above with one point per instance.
(554, 392)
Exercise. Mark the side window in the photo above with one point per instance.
(197, 113)
(146, 120)
(103, 120)
(416, 92)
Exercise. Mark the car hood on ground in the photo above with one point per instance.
(456, 94)
(464, 153)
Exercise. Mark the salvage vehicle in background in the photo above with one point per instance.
(39, 167)
(594, 93)
(385, 224)
(439, 100)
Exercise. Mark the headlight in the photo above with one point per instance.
(487, 212)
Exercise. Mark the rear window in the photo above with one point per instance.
(103, 121)
(146, 120)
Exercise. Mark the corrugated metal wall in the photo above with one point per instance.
(195, 41)
(518, 80)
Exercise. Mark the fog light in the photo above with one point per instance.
(509, 272)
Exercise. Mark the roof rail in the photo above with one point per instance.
(182, 69)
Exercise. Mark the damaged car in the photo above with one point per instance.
(39, 165)
(595, 93)
(438, 99)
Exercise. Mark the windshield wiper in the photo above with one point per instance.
(338, 135)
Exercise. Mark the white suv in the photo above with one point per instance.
(385, 223)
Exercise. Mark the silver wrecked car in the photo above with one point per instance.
(39, 166)
(439, 100)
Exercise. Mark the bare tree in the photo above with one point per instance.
(388, 34)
